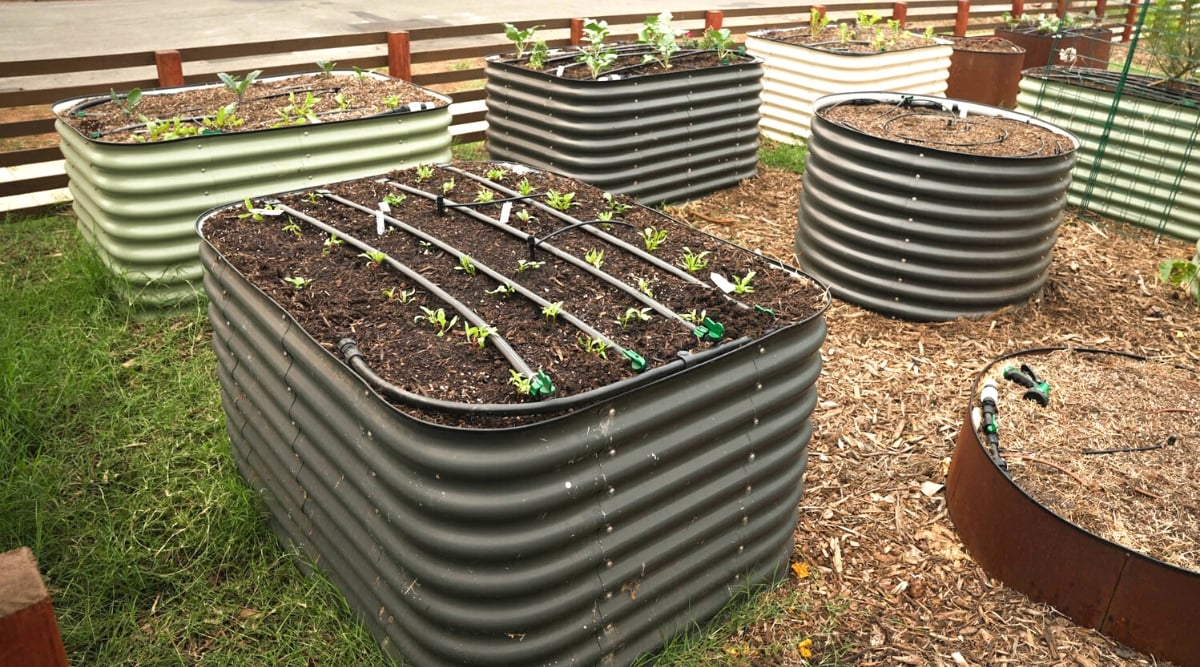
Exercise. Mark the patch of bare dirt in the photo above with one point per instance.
(886, 579)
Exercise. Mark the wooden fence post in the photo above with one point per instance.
(1061, 10)
(820, 10)
(399, 55)
(900, 13)
(1018, 8)
(576, 32)
(961, 18)
(1130, 16)
(1101, 8)
(170, 68)
(713, 19)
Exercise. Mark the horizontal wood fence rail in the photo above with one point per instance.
(443, 58)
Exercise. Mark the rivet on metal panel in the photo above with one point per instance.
(751, 457)
(914, 199)
(608, 529)
(612, 412)
(749, 488)
(568, 484)
(608, 563)
(608, 595)
(745, 520)
(757, 386)
(904, 260)
(611, 490)
(202, 170)
(900, 279)
(741, 548)
(918, 176)
(612, 452)
(756, 424)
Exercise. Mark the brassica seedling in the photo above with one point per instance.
(595, 257)
(537, 55)
(742, 285)
(614, 205)
(465, 265)
(521, 39)
(652, 238)
(692, 261)
(326, 66)
(293, 228)
(403, 296)
(523, 384)
(438, 319)
(478, 335)
(692, 316)
(561, 202)
(1182, 273)
(298, 282)
(657, 32)
(127, 102)
(643, 285)
(503, 290)
(633, 315)
(376, 257)
(239, 86)
(343, 101)
(596, 55)
(817, 20)
(225, 118)
(720, 41)
(165, 130)
(360, 73)
(523, 264)
(551, 311)
(594, 346)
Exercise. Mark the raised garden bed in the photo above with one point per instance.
(986, 70)
(1078, 489)
(467, 510)
(140, 176)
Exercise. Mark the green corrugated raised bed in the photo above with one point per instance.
(137, 202)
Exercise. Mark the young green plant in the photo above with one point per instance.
(652, 238)
(633, 316)
(239, 85)
(437, 318)
(595, 54)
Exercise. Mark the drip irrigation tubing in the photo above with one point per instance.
(484, 268)
(514, 359)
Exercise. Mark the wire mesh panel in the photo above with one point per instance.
(1137, 119)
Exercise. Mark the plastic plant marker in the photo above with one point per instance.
(637, 361)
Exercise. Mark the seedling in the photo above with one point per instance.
(496, 174)
(930, 33)
(326, 66)
(523, 264)
(484, 195)
(551, 311)
(374, 257)
(521, 39)
(426, 247)
(658, 33)
(392, 101)
(643, 285)
(652, 238)
(615, 206)
(361, 73)
(403, 296)
(224, 119)
(692, 261)
(523, 384)
(424, 172)
(293, 228)
(866, 19)
(817, 20)
(127, 102)
(525, 187)
(742, 285)
(720, 41)
(255, 214)
(561, 202)
(478, 335)
(166, 130)
(298, 282)
(632, 316)
(537, 55)
(605, 217)
(596, 55)
(447, 186)
(394, 198)
(343, 101)
(465, 265)
(503, 290)
(298, 113)
(524, 216)
(438, 319)
(313, 196)
(843, 32)
(595, 257)
(1183, 273)
(239, 86)
(692, 316)
(593, 346)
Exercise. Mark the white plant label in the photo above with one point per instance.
(559, 71)
(379, 223)
(722, 284)
(505, 210)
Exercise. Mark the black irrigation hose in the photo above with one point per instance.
(487, 270)
(628, 289)
(950, 120)
(355, 360)
(598, 233)
(471, 316)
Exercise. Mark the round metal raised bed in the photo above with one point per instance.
(922, 233)
(1138, 600)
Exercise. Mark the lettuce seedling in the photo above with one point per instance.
(438, 319)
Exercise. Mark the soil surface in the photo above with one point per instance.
(851, 38)
(930, 124)
(984, 44)
(174, 113)
(630, 62)
(634, 301)
(882, 576)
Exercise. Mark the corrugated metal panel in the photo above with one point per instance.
(583, 539)
(662, 138)
(795, 76)
(924, 234)
(1137, 600)
(1148, 174)
(137, 204)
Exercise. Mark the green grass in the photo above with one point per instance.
(116, 470)
(469, 152)
(789, 156)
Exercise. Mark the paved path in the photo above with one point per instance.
(66, 28)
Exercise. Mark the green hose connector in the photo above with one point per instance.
(637, 361)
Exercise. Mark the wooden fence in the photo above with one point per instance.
(443, 58)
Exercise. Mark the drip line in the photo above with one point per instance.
(484, 268)
(501, 345)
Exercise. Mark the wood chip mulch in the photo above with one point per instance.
(884, 577)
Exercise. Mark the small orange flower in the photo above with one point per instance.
(801, 570)
(805, 649)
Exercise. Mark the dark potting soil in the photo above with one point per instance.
(855, 39)
(631, 63)
(339, 96)
(936, 127)
(984, 44)
(335, 292)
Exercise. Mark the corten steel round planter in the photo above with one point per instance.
(1138, 161)
(1093, 46)
(926, 234)
(137, 203)
(986, 70)
(663, 137)
(580, 538)
(797, 75)
(1135, 599)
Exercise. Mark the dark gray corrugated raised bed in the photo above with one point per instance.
(660, 138)
(579, 539)
(927, 234)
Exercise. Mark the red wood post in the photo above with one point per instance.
(1062, 8)
(1018, 8)
(576, 32)
(820, 10)
(1130, 16)
(399, 55)
(713, 19)
(900, 13)
(1101, 8)
(960, 19)
(28, 630)
(170, 68)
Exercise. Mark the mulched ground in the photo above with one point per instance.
(884, 571)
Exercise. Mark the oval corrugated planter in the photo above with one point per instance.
(580, 538)
(1135, 599)
(1148, 173)
(137, 204)
(660, 138)
(795, 76)
(926, 234)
